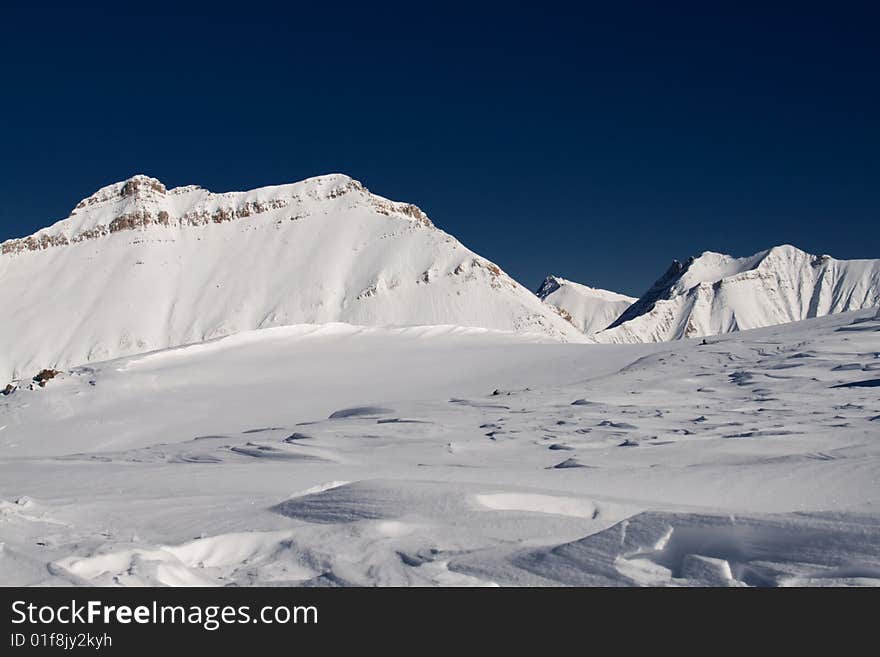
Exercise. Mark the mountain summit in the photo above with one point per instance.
(717, 293)
(589, 309)
(137, 267)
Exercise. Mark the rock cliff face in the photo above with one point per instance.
(717, 293)
(137, 266)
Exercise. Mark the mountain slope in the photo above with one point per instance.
(137, 267)
(716, 293)
(589, 309)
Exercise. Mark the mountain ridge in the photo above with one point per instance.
(141, 201)
(716, 293)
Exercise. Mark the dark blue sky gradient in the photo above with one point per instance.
(597, 142)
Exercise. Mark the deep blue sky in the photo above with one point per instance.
(596, 141)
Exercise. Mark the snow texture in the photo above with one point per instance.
(341, 455)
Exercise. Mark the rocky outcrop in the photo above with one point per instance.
(139, 219)
(43, 376)
(548, 287)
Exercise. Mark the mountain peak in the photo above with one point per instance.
(781, 253)
(785, 248)
(138, 186)
(588, 309)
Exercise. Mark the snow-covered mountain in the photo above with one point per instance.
(589, 309)
(717, 293)
(138, 267)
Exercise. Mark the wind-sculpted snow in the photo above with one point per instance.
(716, 294)
(695, 549)
(137, 267)
(328, 456)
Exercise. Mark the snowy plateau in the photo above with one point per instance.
(312, 385)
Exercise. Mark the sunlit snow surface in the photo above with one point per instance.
(330, 455)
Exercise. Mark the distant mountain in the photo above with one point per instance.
(589, 309)
(138, 267)
(717, 293)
